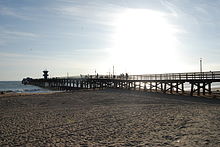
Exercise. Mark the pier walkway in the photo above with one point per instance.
(200, 82)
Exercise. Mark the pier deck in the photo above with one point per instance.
(200, 82)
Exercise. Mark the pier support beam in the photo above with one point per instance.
(200, 86)
(173, 87)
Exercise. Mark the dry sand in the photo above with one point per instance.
(109, 118)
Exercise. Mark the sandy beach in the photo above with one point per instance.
(109, 118)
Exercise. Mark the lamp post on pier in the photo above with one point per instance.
(113, 70)
(201, 65)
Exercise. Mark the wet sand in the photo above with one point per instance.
(109, 118)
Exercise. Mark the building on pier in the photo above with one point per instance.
(45, 74)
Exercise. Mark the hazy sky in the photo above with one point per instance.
(81, 36)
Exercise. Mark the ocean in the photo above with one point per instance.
(18, 87)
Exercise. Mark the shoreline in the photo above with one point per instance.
(215, 94)
(12, 93)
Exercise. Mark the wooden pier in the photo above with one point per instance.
(200, 82)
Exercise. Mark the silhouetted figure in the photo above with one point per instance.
(122, 76)
(126, 76)
(97, 76)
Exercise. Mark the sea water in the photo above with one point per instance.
(18, 87)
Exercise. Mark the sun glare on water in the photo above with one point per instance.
(143, 41)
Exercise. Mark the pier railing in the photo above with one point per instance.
(212, 75)
(178, 76)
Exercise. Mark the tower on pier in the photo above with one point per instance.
(45, 74)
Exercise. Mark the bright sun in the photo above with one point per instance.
(143, 41)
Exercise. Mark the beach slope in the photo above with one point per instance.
(109, 118)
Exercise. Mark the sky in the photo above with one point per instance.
(73, 37)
